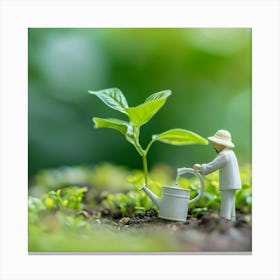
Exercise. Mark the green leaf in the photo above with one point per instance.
(158, 95)
(144, 112)
(116, 124)
(122, 126)
(179, 137)
(130, 135)
(113, 98)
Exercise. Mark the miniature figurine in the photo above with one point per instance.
(229, 177)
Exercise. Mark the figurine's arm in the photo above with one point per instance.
(214, 165)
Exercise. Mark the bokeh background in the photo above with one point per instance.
(207, 69)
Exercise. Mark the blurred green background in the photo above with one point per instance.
(207, 69)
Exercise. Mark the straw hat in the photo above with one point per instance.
(222, 137)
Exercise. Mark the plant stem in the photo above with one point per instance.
(136, 141)
(145, 167)
(149, 146)
(142, 152)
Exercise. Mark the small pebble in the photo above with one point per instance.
(124, 221)
(84, 213)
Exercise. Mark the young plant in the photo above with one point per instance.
(69, 197)
(137, 117)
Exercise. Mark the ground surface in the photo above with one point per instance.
(205, 233)
(85, 209)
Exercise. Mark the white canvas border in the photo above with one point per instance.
(261, 16)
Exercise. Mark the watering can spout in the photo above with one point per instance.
(151, 195)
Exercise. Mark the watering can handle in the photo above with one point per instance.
(185, 170)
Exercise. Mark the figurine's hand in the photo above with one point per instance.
(197, 167)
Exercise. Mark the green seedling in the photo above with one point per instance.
(137, 117)
(69, 197)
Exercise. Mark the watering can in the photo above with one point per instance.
(174, 201)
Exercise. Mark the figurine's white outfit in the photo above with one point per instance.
(229, 180)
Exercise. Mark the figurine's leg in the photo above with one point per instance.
(227, 210)
(233, 212)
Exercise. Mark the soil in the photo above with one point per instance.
(204, 233)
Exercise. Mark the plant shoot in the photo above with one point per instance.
(137, 117)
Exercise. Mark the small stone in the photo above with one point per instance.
(174, 227)
(85, 214)
(214, 216)
(124, 221)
